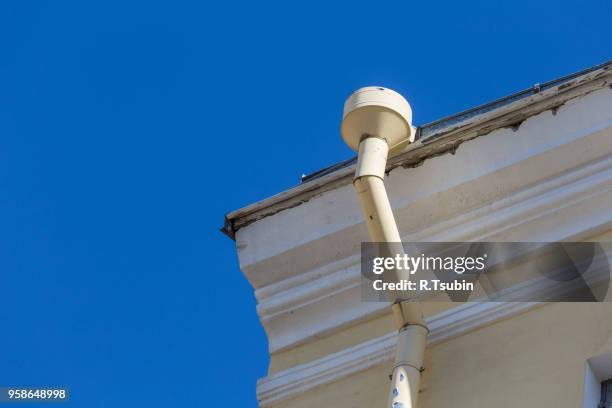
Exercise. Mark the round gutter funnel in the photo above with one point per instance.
(375, 111)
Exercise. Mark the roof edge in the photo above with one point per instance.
(438, 137)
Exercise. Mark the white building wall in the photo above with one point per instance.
(548, 179)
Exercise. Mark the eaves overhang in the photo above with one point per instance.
(435, 138)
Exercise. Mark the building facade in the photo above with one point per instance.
(535, 166)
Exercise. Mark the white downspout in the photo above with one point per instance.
(377, 120)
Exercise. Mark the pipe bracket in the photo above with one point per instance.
(408, 313)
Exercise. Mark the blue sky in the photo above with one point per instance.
(129, 128)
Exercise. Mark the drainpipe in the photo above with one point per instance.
(377, 124)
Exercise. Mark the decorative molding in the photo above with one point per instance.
(445, 325)
(306, 288)
(333, 367)
(326, 283)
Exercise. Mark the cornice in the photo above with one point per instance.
(296, 380)
(299, 299)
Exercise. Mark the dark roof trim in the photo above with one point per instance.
(434, 138)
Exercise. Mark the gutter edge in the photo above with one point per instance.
(446, 139)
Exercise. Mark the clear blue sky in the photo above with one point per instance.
(129, 128)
